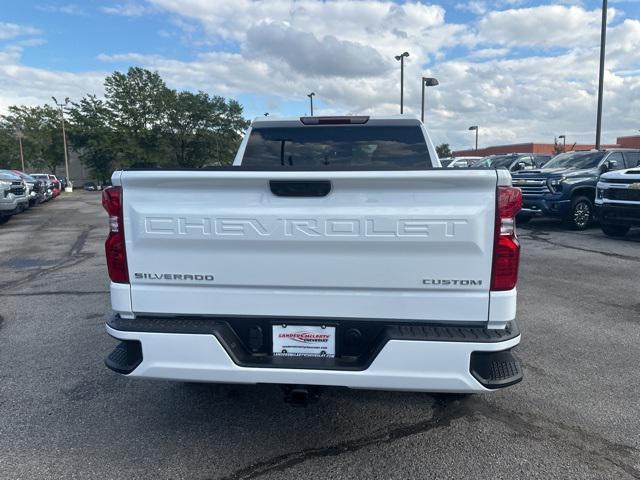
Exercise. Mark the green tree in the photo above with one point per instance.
(42, 136)
(92, 135)
(137, 101)
(139, 122)
(203, 130)
(9, 148)
(443, 150)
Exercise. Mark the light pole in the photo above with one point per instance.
(475, 127)
(20, 135)
(426, 82)
(310, 95)
(64, 137)
(564, 142)
(603, 40)
(400, 58)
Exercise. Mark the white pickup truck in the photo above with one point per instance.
(334, 252)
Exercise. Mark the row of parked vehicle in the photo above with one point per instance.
(577, 187)
(20, 191)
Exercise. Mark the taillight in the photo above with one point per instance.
(114, 246)
(506, 248)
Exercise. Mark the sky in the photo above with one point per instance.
(521, 70)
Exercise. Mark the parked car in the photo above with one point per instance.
(90, 187)
(463, 162)
(446, 161)
(57, 185)
(618, 200)
(392, 252)
(513, 161)
(49, 186)
(565, 187)
(37, 187)
(53, 184)
(18, 188)
(64, 183)
(8, 200)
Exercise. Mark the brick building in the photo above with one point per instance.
(623, 142)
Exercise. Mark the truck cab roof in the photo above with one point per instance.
(383, 120)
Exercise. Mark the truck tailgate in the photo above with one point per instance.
(408, 245)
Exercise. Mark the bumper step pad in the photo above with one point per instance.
(125, 358)
(496, 369)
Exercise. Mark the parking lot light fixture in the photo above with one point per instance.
(564, 142)
(401, 58)
(64, 136)
(603, 41)
(475, 127)
(427, 82)
(310, 95)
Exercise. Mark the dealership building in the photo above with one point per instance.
(548, 148)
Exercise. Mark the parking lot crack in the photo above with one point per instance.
(73, 257)
(536, 236)
(77, 246)
(55, 292)
(595, 449)
(445, 410)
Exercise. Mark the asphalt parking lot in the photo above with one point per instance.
(64, 415)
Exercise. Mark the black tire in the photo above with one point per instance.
(614, 230)
(4, 219)
(581, 213)
(523, 219)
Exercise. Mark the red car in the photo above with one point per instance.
(56, 185)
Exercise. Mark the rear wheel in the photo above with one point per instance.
(614, 230)
(580, 214)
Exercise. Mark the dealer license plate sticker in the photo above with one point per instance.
(304, 341)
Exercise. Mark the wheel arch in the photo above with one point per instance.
(584, 191)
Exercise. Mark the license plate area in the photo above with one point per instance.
(293, 340)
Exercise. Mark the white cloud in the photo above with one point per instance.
(343, 50)
(545, 26)
(68, 9)
(128, 9)
(305, 53)
(484, 53)
(13, 30)
(474, 6)
(23, 85)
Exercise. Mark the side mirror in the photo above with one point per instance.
(609, 165)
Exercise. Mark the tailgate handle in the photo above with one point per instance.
(300, 188)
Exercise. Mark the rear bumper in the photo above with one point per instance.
(423, 358)
(535, 205)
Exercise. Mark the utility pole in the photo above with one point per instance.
(603, 41)
(19, 135)
(310, 95)
(401, 58)
(64, 137)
